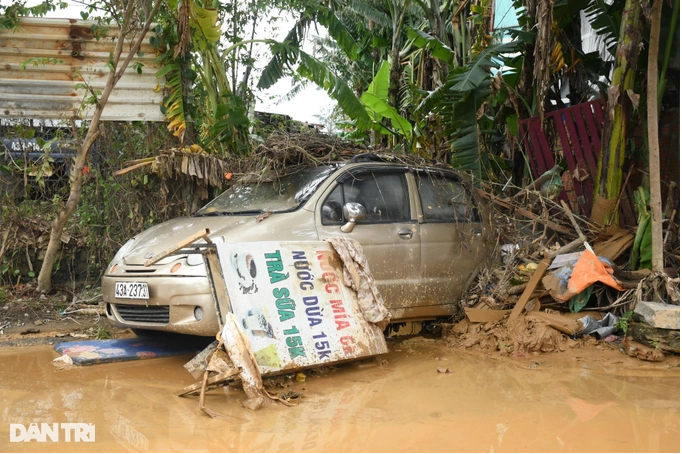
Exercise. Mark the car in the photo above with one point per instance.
(424, 231)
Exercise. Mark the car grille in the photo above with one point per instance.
(147, 314)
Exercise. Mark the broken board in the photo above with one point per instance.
(290, 300)
(89, 352)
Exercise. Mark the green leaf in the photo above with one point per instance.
(284, 54)
(425, 41)
(643, 225)
(479, 68)
(513, 124)
(364, 9)
(318, 73)
(379, 85)
(464, 138)
(379, 108)
(338, 31)
(605, 20)
(206, 28)
(168, 68)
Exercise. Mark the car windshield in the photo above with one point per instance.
(283, 194)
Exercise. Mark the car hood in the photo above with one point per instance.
(165, 235)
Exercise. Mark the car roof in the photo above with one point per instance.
(368, 161)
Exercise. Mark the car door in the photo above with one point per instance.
(452, 237)
(389, 233)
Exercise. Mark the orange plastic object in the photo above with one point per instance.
(588, 270)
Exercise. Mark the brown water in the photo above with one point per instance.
(565, 403)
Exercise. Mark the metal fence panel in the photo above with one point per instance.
(46, 64)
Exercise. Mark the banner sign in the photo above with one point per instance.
(291, 302)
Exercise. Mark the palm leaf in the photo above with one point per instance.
(425, 41)
(364, 9)
(284, 54)
(464, 130)
(479, 68)
(318, 73)
(604, 20)
(432, 100)
(338, 31)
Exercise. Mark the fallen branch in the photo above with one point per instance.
(522, 211)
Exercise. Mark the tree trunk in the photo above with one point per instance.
(394, 78)
(45, 276)
(610, 174)
(652, 124)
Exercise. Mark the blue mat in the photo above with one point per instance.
(113, 350)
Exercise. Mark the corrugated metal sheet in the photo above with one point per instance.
(49, 89)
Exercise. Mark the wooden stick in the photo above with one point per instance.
(184, 243)
(193, 388)
(131, 168)
(576, 226)
(567, 248)
(532, 283)
(542, 178)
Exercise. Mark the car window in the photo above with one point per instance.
(444, 199)
(384, 196)
(281, 194)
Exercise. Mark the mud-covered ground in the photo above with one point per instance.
(422, 396)
(469, 391)
(428, 394)
(29, 318)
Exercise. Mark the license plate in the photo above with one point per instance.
(131, 290)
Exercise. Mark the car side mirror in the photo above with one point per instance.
(352, 213)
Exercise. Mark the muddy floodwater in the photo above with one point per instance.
(576, 401)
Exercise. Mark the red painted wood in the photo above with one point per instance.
(560, 127)
(595, 134)
(585, 140)
(545, 157)
(599, 114)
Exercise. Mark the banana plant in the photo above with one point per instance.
(375, 101)
(221, 115)
(458, 101)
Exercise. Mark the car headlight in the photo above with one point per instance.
(195, 259)
(198, 259)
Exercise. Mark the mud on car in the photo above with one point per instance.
(424, 232)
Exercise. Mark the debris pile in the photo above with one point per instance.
(560, 277)
(281, 154)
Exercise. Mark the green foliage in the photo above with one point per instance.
(478, 72)
(640, 257)
(318, 73)
(459, 100)
(205, 26)
(375, 100)
(137, 67)
(102, 333)
(623, 323)
(425, 41)
(41, 61)
(10, 14)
